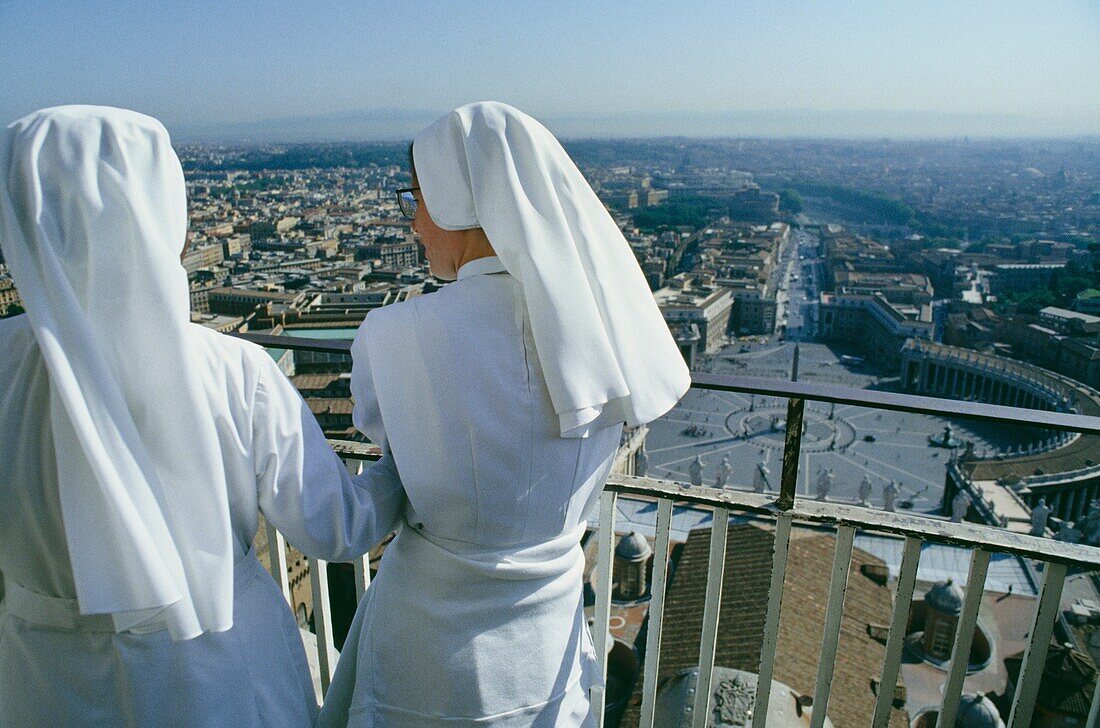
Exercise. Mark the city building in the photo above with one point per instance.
(205, 256)
(703, 306)
(870, 323)
(908, 289)
(1017, 277)
(9, 295)
(752, 204)
(1088, 301)
(753, 312)
(392, 254)
(241, 301)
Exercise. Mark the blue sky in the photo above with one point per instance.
(937, 67)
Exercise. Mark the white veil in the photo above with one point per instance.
(92, 223)
(605, 349)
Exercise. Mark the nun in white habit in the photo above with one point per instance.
(502, 398)
(136, 450)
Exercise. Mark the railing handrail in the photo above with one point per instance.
(912, 403)
(331, 346)
(1029, 480)
(930, 530)
(846, 519)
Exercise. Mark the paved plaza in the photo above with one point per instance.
(853, 443)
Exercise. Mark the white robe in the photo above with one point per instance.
(476, 615)
(60, 668)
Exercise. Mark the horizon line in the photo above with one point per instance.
(183, 138)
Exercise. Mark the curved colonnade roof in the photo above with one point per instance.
(1081, 453)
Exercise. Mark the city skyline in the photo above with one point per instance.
(328, 72)
(937, 303)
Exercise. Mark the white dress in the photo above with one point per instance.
(476, 615)
(60, 668)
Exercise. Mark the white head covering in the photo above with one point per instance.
(605, 349)
(92, 223)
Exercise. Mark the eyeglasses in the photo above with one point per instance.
(407, 202)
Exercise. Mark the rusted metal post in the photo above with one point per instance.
(792, 444)
(791, 448)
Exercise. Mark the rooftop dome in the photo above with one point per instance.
(977, 711)
(633, 547)
(945, 597)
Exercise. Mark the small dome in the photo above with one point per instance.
(977, 711)
(633, 547)
(945, 597)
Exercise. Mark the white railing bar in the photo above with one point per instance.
(1094, 712)
(830, 639)
(771, 621)
(605, 546)
(362, 575)
(361, 565)
(891, 661)
(929, 530)
(716, 569)
(322, 620)
(1035, 657)
(964, 636)
(276, 554)
(656, 613)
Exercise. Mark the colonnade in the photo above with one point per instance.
(1068, 502)
(966, 380)
(976, 381)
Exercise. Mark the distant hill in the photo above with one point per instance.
(367, 125)
(390, 124)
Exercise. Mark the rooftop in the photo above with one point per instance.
(748, 557)
(703, 616)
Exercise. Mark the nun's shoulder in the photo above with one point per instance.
(481, 299)
(219, 351)
(384, 323)
(468, 295)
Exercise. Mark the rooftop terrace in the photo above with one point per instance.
(842, 524)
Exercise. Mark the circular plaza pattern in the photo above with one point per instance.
(767, 426)
(853, 444)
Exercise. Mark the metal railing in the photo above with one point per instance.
(786, 511)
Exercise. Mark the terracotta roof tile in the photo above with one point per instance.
(744, 604)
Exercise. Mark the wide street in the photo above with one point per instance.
(850, 442)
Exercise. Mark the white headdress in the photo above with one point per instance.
(92, 222)
(604, 347)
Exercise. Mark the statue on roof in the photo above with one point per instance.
(1040, 514)
(724, 470)
(890, 495)
(1091, 529)
(825, 479)
(865, 489)
(696, 470)
(641, 461)
(960, 505)
(760, 478)
(1068, 533)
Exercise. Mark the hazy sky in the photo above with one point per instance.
(631, 68)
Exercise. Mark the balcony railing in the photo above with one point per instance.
(784, 511)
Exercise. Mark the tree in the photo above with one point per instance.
(790, 201)
(14, 309)
(693, 211)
